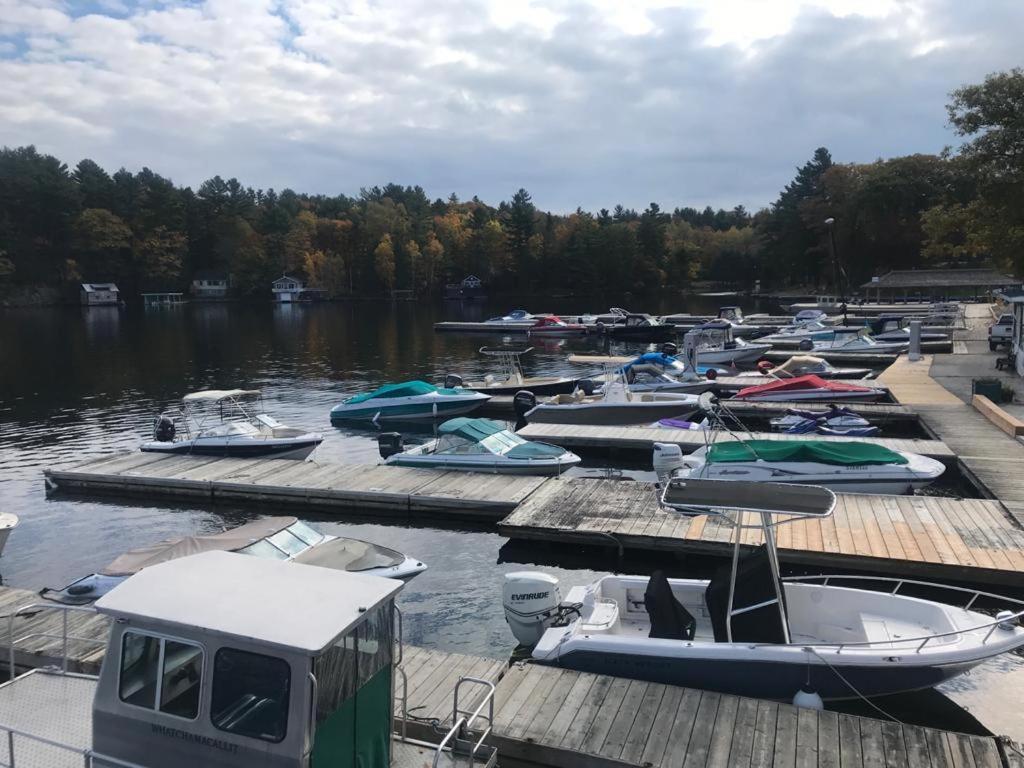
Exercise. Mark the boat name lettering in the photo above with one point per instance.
(195, 738)
(531, 596)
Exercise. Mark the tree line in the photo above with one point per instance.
(60, 226)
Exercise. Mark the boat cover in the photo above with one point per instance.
(471, 429)
(755, 593)
(350, 555)
(652, 358)
(837, 452)
(532, 450)
(800, 363)
(402, 389)
(171, 549)
(800, 383)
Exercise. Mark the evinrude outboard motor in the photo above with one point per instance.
(531, 601)
(670, 349)
(524, 402)
(452, 380)
(587, 386)
(389, 443)
(164, 429)
(668, 457)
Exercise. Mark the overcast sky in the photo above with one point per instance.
(583, 102)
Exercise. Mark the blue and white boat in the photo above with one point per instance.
(479, 445)
(408, 400)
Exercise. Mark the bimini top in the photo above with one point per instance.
(838, 452)
(274, 602)
(403, 389)
(800, 383)
(215, 395)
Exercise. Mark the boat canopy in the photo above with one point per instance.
(216, 395)
(839, 453)
(800, 383)
(350, 555)
(490, 437)
(402, 389)
(471, 429)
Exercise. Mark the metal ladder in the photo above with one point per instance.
(464, 743)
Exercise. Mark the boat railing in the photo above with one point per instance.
(1004, 619)
(463, 720)
(64, 636)
(89, 757)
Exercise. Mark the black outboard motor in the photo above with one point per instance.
(389, 443)
(452, 380)
(670, 349)
(523, 402)
(806, 345)
(164, 429)
(588, 386)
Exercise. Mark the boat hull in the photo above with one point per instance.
(537, 386)
(745, 354)
(544, 468)
(406, 411)
(237, 448)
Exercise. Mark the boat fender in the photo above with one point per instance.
(452, 381)
(1007, 620)
(389, 443)
(587, 386)
(523, 402)
(808, 700)
(711, 374)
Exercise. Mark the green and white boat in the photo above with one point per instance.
(408, 401)
(479, 445)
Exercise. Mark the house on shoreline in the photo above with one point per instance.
(208, 285)
(100, 295)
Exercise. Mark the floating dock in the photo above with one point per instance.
(397, 490)
(972, 540)
(464, 327)
(557, 718)
(643, 438)
(852, 359)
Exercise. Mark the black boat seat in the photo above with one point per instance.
(669, 619)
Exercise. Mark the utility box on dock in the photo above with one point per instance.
(990, 388)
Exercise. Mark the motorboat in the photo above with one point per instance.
(636, 326)
(662, 372)
(510, 377)
(809, 316)
(518, 319)
(228, 422)
(809, 388)
(716, 345)
(408, 401)
(616, 404)
(478, 445)
(836, 422)
(794, 334)
(748, 631)
(861, 341)
(8, 522)
(552, 326)
(897, 328)
(851, 467)
(803, 365)
(275, 538)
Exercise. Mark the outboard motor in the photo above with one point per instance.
(389, 443)
(670, 349)
(452, 381)
(668, 457)
(523, 402)
(806, 345)
(164, 429)
(587, 386)
(531, 601)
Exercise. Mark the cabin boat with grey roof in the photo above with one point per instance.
(226, 661)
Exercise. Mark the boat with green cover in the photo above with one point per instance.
(480, 445)
(852, 467)
(407, 401)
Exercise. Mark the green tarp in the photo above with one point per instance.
(803, 450)
(471, 429)
(403, 389)
(533, 450)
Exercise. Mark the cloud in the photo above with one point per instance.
(583, 102)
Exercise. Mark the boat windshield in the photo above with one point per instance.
(307, 534)
(499, 443)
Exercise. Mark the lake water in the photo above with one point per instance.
(78, 383)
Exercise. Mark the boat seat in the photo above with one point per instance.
(669, 619)
(603, 617)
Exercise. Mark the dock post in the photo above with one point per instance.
(914, 353)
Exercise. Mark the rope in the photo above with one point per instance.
(852, 687)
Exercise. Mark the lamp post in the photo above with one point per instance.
(830, 222)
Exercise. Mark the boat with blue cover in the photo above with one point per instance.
(480, 445)
(408, 400)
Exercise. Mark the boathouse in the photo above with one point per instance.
(100, 294)
(937, 284)
(209, 285)
(154, 300)
(470, 288)
(288, 289)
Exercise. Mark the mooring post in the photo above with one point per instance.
(915, 341)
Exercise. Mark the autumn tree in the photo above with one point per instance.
(384, 262)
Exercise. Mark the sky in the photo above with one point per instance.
(585, 103)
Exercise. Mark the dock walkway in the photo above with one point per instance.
(559, 718)
(643, 438)
(307, 483)
(970, 540)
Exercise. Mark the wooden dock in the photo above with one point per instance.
(971, 540)
(557, 718)
(643, 438)
(398, 490)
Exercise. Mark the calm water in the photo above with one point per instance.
(75, 384)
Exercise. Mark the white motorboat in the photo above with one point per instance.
(275, 538)
(851, 467)
(408, 401)
(478, 445)
(810, 315)
(228, 422)
(716, 346)
(797, 332)
(860, 341)
(517, 319)
(803, 365)
(662, 372)
(808, 389)
(615, 404)
(510, 377)
(747, 631)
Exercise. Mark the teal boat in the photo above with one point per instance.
(409, 400)
(479, 445)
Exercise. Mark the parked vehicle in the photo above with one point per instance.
(1000, 332)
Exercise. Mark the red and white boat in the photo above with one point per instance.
(554, 326)
(810, 388)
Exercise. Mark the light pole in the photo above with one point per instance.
(830, 222)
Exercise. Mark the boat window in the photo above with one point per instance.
(250, 694)
(291, 544)
(264, 548)
(309, 535)
(161, 674)
(501, 442)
